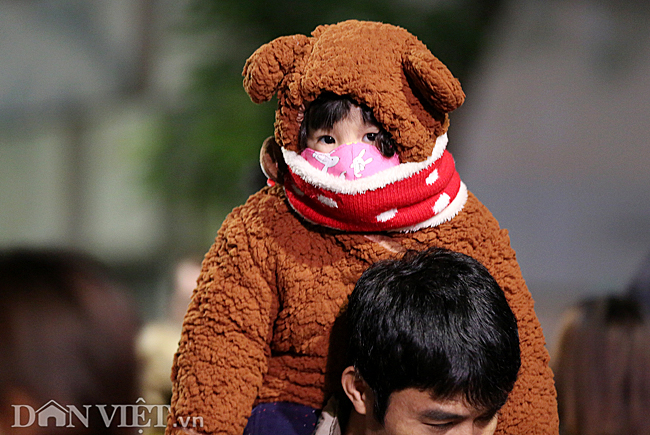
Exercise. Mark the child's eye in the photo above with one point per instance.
(327, 139)
(371, 137)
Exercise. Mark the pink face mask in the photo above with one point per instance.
(350, 161)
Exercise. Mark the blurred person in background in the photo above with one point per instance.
(639, 286)
(157, 340)
(602, 368)
(68, 334)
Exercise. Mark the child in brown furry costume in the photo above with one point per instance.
(259, 325)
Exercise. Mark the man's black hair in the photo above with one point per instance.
(436, 321)
(329, 108)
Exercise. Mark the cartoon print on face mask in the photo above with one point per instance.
(347, 150)
(359, 164)
(327, 160)
(350, 161)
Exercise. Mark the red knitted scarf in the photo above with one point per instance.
(403, 198)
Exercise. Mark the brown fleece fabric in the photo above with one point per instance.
(257, 329)
(272, 286)
(383, 66)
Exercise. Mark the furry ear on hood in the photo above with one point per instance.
(267, 67)
(433, 80)
(380, 65)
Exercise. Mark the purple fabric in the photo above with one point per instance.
(282, 418)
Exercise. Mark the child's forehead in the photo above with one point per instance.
(353, 118)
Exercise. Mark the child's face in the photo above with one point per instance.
(351, 129)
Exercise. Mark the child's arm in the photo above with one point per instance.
(531, 407)
(222, 355)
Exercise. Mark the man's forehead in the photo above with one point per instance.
(427, 402)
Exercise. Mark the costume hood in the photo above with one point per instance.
(380, 65)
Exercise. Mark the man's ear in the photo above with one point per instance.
(357, 390)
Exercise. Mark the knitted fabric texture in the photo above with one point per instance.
(403, 198)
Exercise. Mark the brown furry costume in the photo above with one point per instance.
(272, 285)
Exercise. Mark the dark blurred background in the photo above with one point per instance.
(125, 131)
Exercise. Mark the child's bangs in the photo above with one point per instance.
(327, 110)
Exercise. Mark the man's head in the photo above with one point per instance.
(433, 344)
